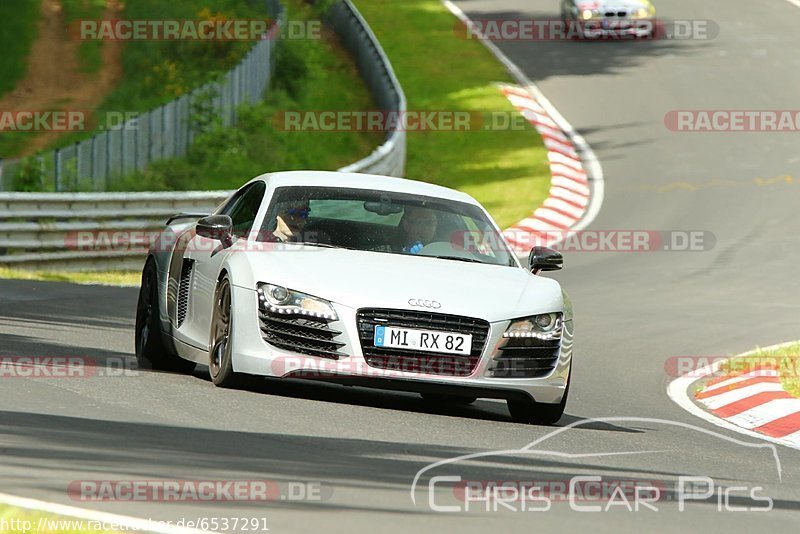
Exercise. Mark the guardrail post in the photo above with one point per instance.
(57, 177)
(78, 165)
(122, 150)
(108, 158)
(93, 156)
(163, 125)
(136, 149)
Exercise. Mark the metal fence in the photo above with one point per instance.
(165, 132)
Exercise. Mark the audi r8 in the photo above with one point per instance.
(361, 280)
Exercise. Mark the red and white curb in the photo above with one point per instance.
(577, 183)
(756, 401)
(569, 193)
(751, 402)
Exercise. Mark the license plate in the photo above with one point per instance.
(424, 340)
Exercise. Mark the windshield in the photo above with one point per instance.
(384, 222)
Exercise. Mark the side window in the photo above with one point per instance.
(243, 209)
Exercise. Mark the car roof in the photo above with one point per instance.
(363, 181)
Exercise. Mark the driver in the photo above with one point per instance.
(291, 220)
(417, 228)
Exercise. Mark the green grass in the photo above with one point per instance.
(507, 171)
(19, 521)
(89, 52)
(19, 31)
(111, 278)
(786, 359)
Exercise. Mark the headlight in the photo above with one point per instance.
(586, 14)
(279, 299)
(641, 13)
(543, 326)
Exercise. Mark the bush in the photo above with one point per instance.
(30, 175)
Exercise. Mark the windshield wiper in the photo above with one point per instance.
(458, 258)
(322, 245)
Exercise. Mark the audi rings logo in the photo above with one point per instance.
(432, 304)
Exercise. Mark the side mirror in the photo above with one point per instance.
(545, 259)
(215, 227)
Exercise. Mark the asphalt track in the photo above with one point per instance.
(634, 311)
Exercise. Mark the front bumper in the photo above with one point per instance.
(611, 28)
(253, 355)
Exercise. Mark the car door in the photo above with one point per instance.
(203, 260)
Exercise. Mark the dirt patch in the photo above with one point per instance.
(54, 80)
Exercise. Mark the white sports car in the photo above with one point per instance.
(358, 279)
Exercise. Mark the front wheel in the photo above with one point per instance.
(537, 413)
(153, 351)
(220, 357)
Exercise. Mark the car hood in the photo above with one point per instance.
(359, 279)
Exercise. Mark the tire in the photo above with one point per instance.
(438, 398)
(220, 355)
(153, 351)
(537, 413)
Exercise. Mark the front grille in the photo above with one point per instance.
(311, 336)
(412, 361)
(525, 358)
